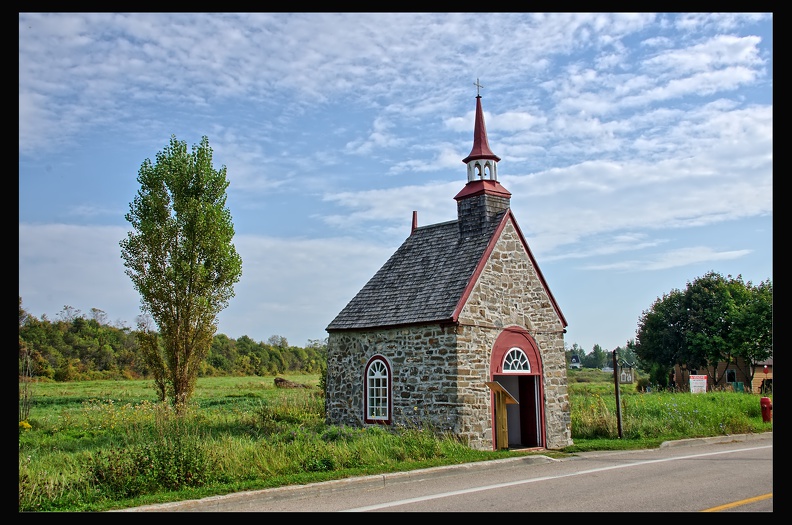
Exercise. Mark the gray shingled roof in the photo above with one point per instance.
(422, 281)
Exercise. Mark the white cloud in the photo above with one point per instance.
(621, 135)
(674, 259)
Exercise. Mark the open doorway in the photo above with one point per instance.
(516, 366)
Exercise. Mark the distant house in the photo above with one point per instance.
(762, 382)
(738, 375)
(574, 362)
(457, 330)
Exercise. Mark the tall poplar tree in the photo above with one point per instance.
(182, 261)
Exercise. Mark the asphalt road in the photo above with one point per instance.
(722, 474)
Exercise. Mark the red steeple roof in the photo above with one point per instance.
(481, 149)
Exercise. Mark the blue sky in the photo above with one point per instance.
(638, 149)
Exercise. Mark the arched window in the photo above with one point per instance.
(515, 360)
(378, 387)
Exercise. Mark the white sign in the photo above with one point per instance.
(626, 376)
(698, 384)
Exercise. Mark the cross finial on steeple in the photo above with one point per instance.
(478, 87)
(481, 152)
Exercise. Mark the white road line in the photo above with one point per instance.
(533, 480)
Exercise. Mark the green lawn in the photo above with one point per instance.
(101, 445)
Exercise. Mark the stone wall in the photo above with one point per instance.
(424, 375)
(509, 293)
(439, 373)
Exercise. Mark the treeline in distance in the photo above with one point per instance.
(78, 347)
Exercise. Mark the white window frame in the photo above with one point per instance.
(515, 361)
(378, 386)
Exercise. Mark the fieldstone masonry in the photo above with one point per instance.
(435, 311)
(439, 372)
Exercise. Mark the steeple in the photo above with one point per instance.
(481, 162)
(483, 198)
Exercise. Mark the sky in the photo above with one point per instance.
(638, 149)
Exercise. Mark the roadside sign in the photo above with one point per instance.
(698, 384)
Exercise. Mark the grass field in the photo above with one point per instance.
(102, 445)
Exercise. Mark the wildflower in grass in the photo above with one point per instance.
(24, 425)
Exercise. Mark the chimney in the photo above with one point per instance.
(480, 203)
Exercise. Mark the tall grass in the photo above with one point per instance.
(101, 445)
(666, 415)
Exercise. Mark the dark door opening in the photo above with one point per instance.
(524, 418)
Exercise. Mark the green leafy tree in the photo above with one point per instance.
(597, 358)
(715, 321)
(278, 341)
(181, 259)
(752, 326)
(626, 353)
(660, 341)
(223, 354)
(728, 319)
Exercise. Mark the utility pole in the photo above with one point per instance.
(618, 392)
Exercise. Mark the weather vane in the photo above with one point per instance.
(478, 87)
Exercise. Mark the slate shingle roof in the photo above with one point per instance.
(422, 281)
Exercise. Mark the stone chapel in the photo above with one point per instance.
(457, 330)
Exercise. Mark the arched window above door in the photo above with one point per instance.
(515, 360)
